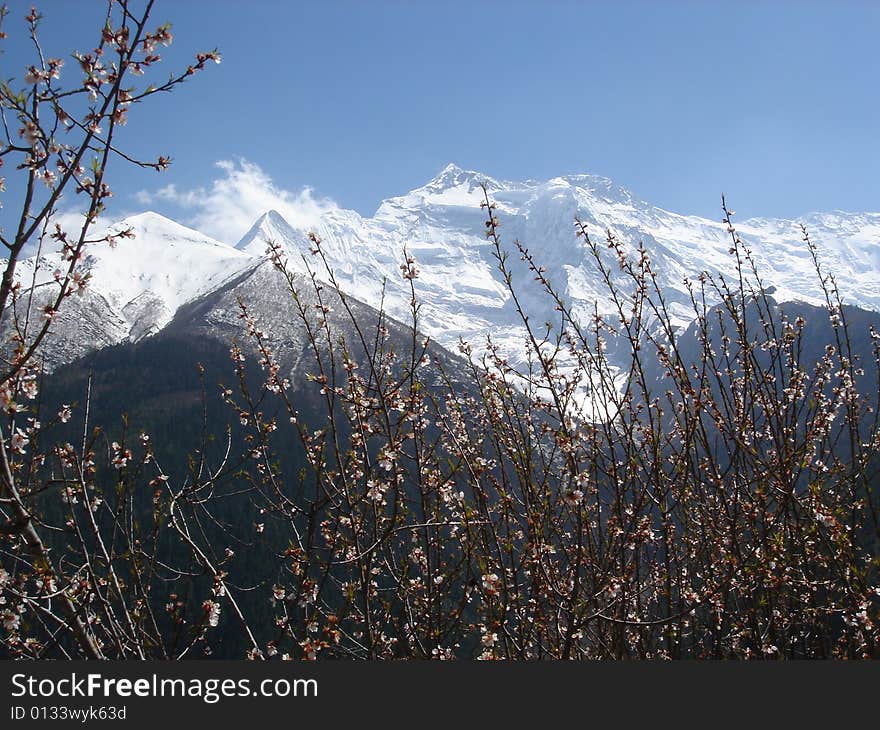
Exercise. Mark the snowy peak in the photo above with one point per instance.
(152, 226)
(453, 176)
(456, 187)
(453, 186)
(271, 226)
(273, 217)
(598, 187)
(135, 285)
(168, 260)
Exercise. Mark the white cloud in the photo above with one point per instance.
(229, 206)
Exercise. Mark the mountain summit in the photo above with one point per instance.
(271, 226)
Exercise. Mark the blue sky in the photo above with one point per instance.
(774, 103)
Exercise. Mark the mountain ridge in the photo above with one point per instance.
(137, 289)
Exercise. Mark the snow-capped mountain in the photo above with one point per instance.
(462, 293)
(137, 288)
